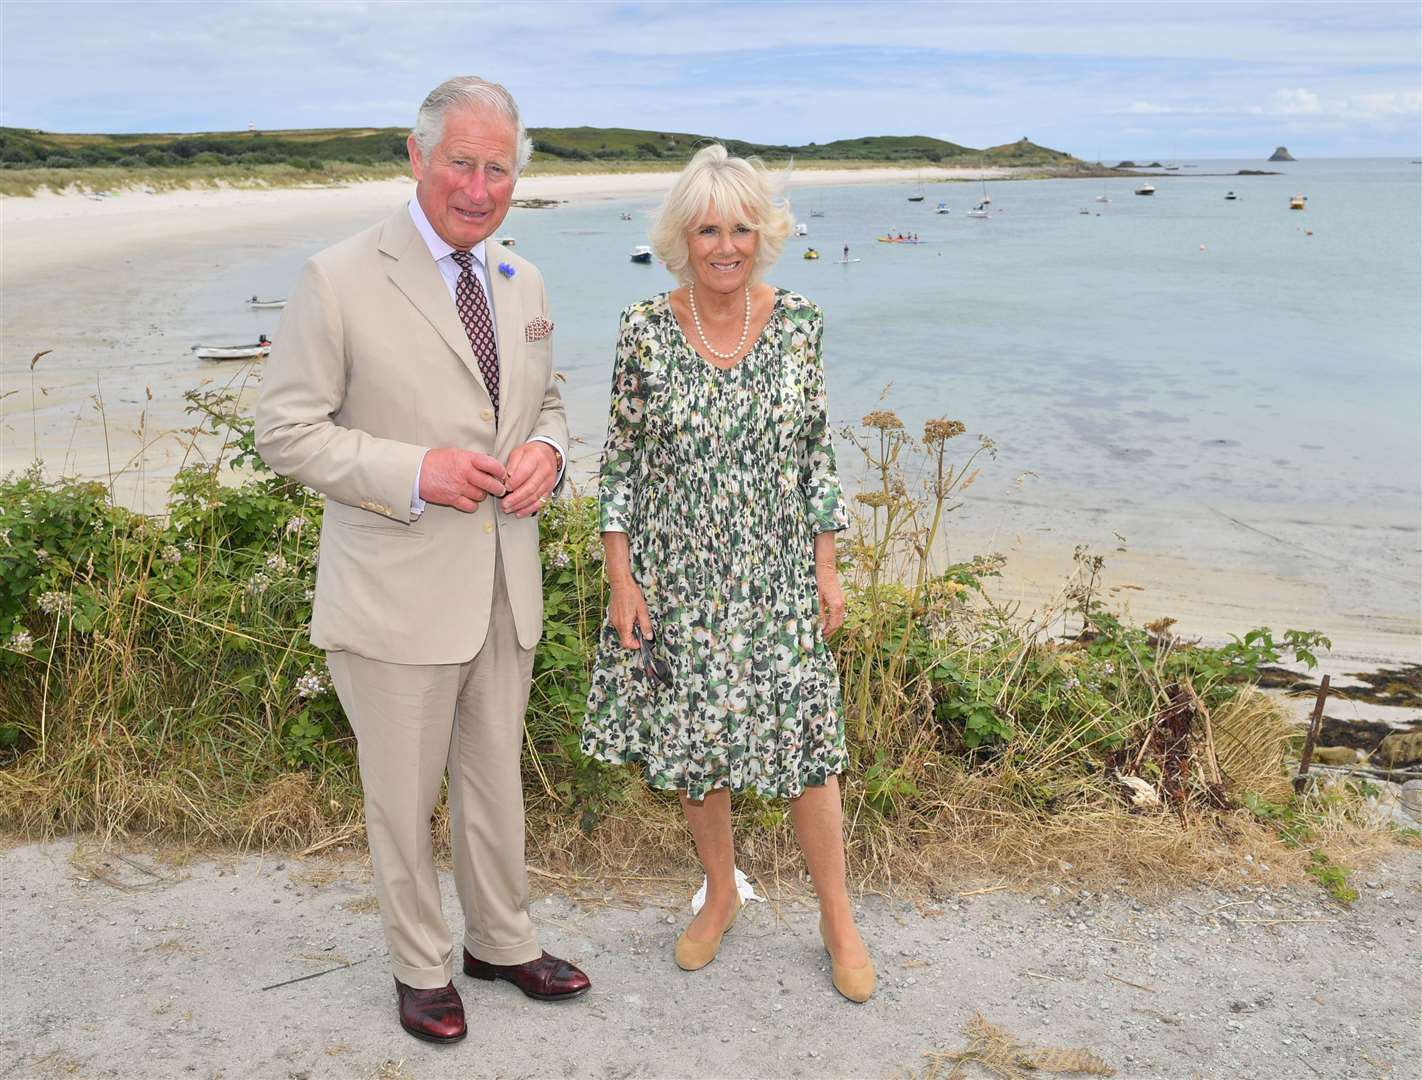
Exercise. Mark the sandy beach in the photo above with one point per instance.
(112, 285)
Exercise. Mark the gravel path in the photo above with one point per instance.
(130, 966)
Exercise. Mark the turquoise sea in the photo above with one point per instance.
(1231, 382)
(1165, 363)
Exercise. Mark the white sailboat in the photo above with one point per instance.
(981, 210)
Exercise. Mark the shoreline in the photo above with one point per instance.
(106, 284)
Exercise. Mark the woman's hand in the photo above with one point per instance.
(626, 609)
(831, 600)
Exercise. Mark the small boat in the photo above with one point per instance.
(626, 216)
(980, 211)
(641, 254)
(917, 196)
(1145, 189)
(941, 208)
(817, 213)
(1085, 210)
(507, 241)
(234, 352)
(1103, 197)
(897, 240)
(1297, 202)
(846, 262)
(801, 229)
(1230, 196)
(256, 302)
(811, 253)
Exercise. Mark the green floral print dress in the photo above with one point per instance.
(721, 478)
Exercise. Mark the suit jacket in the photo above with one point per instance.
(371, 367)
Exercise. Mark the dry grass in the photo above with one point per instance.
(999, 1053)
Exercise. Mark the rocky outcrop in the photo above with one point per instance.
(1400, 749)
(1282, 154)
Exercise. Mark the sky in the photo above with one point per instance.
(1099, 80)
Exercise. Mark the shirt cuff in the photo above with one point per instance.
(562, 457)
(417, 504)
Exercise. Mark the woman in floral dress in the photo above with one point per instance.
(719, 506)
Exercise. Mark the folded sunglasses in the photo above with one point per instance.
(654, 667)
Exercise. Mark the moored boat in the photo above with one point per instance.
(641, 254)
(1145, 189)
(1298, 202)
(811, 253)
(257, 302)
(234, 352)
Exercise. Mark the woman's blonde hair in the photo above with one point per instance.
(738, 188)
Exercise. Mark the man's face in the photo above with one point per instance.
(466, 183)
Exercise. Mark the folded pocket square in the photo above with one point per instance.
(537, 330)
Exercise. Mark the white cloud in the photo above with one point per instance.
(1298, 102)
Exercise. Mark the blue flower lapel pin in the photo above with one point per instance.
(507, 270)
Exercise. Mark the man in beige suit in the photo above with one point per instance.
(411, 383)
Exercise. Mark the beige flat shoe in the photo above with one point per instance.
(694, 955)
(855, 983)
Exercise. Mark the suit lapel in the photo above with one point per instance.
(415, 274)
(508, 332)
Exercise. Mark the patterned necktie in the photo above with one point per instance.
(473, 308)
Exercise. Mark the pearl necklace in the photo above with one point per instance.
(696, 318)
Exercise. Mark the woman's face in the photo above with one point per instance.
(721, 252)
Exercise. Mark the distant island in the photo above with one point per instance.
(1282, 154)
(315, 149)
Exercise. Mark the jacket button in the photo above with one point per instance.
(487, 414)
(488, 526)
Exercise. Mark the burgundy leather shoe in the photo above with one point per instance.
(547, 978)
(433, 1015)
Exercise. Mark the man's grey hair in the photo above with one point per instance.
(474, 93)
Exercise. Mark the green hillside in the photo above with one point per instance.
(22, 148)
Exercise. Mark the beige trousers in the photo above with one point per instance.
(413, 722)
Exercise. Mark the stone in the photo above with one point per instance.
(1400, 749)
(1337, 755)
(1412, 799)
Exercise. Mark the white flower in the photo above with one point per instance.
(21, 642)
(309, 594)
(171, 555)
(5, 535)
(559, 558)
(42, 556)
(1109, 668)
(189, 545)
(1072, 682)
(258, 584)
(56, 603)
(295, 524)
(313, 683)
(276, 562)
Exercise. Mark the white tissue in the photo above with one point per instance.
(743, 886)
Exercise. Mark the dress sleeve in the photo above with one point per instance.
(616, 489)
(819, 482)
